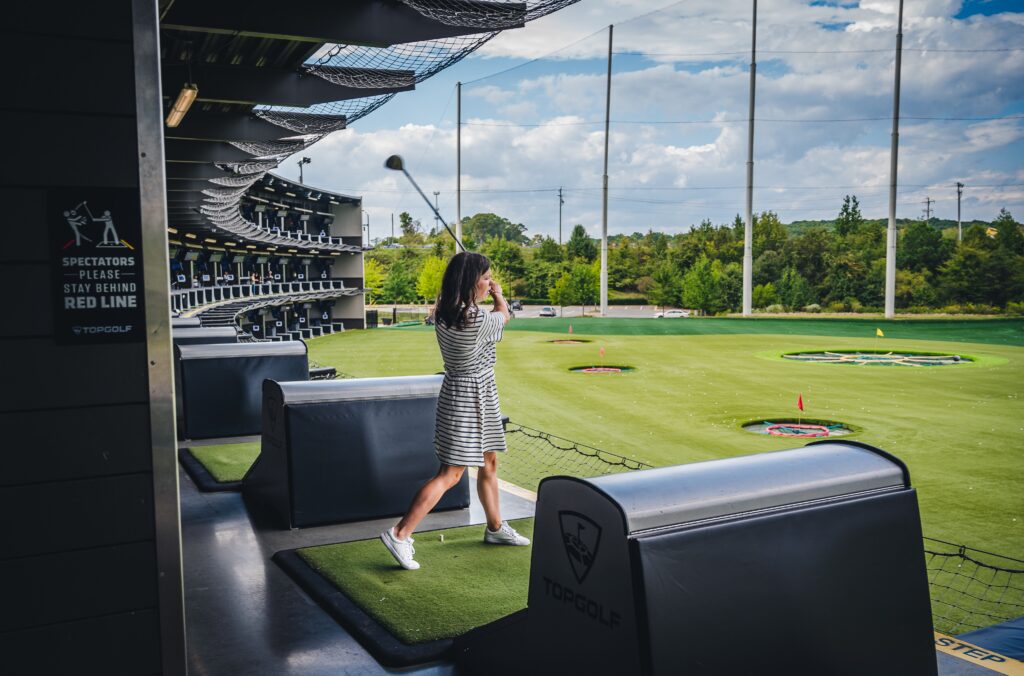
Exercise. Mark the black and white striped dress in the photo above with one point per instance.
(468, 414)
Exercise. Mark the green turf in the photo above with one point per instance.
(959, 428)
(435, 601)
(992, 331)
(227, 462)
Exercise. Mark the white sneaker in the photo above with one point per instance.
(506, 535)
(402, 550)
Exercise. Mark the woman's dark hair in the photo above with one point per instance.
(458, 286)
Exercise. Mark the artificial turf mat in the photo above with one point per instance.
(219, 467)
(462, 584)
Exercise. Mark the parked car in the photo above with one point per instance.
(548, 311)
(517, 306)
(672, 313)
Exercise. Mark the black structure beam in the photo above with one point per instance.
(190, 170)
(211, 125)
(248, 85)
(177, 150)
(378, 23)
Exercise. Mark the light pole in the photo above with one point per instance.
(959, 226)
(304, 160)
(436, 193)
(367, 224)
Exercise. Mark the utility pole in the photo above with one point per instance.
(604, 199)
(436, 224)
(560, 203)
(959, 226)
(748, 230)
(890, 233)
(928, 209)
(392, 227)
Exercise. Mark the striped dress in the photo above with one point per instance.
(468, 414)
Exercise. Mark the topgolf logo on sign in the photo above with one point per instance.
(581, 537)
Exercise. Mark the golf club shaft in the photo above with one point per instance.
(432, 208)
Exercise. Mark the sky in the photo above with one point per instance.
(533, 117)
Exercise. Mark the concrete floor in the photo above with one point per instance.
(245, 616)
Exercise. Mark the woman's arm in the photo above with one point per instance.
(500, 305)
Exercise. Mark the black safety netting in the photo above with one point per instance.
(533, 455)
(970, 588)
(375, 70)
(487, 14)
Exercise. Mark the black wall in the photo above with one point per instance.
(78, 559)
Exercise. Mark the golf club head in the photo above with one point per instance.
(395, 162)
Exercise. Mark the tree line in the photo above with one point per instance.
(836, 265)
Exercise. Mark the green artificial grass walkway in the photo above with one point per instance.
(227, 462)
(462, 584)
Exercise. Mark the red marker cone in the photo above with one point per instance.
(800, 401)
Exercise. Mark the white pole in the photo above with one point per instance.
(458, 161)
(890, 235)
(604, 200)
(748, 230)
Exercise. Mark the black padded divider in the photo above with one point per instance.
(189, 335)
(805, 561)
(346, 450)
(218, 386)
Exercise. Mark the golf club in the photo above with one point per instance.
(396, 163)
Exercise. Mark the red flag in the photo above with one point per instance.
(570, 328)
(800, 401)
(602, 351)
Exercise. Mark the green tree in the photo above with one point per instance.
(373, 278)
(849, 220)
(769, 233)
(411, 230)
(580, 245)
(580, 285)
(764, 295)
(700, 287)
(400, 285)
(913, 289)
(768, 266)
(1008, 235)
(428, 285)
(507, 256)
(808, 254)
(667, 285)
(794, 291)
(922, 247)
(485, 226)
(963, 278)
(550, 251)
(730, 285)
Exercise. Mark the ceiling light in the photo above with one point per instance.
(186, 96)
(190, 235)
(250, 246)
(210, 241)
(230, 244)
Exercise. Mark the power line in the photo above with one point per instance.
(583, 123)
(825, 51)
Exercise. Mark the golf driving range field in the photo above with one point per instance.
(959, 428)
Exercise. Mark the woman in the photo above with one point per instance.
(468, 430)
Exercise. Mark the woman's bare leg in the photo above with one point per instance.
(427, 497)
(487, 489)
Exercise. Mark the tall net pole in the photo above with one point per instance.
(604, 197)
(890, 234)
(748, 229)
(458, 161)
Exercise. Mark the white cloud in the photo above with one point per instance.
(670, 176)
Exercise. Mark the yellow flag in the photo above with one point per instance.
(878, 332)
